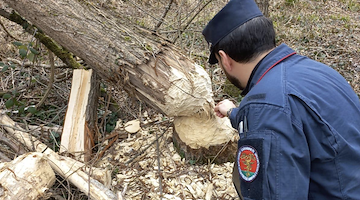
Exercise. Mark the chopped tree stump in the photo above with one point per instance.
(79, 127)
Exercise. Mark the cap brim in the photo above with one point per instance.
(212, 58)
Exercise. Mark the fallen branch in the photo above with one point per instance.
(28, 64)
(15, 146)
(68, 168)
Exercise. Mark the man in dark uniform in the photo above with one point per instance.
(299, 122)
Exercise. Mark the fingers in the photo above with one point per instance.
(219, 114)
(222, 107)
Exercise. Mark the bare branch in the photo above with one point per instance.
(52, 72)
(7, 32)
(190, 21)
(164, 15)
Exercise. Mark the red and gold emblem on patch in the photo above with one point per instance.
(248, 163)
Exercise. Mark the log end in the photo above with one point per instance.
(27, 177)
(217, 154)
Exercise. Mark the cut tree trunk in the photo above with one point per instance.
(86, 179)
(137, 60)
(78, 133)
(27, 177)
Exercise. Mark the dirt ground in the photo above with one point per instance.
(327, 31)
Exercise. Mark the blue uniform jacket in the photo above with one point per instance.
(299, 128)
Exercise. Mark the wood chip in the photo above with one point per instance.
(132, 126)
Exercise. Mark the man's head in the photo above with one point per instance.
(241, 31)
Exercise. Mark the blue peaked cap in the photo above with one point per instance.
(233, 15)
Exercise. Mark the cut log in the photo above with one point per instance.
(68, 168)
(27, 177)
(77, 137)
(208, 143)
(135, 59)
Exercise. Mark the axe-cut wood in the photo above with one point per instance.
(68, 168)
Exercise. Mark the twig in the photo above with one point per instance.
(51, 81)
(15, 147)
(27, 49)
(7, 32)
(164, 15)
(158, 160)
(4, 158)
(4, 13)
(190, 21)
(159, 20)
(107, 147)
(28, 64)
(221, 150)
(146, 148)
(106, 113)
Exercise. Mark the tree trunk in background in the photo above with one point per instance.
(135, 59)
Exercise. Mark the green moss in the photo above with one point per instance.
(63, 54)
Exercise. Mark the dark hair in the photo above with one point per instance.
(248, 40)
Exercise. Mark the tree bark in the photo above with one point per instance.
(137, 60)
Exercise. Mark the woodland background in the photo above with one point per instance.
(326, 31)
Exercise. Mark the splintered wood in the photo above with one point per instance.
(78, 133)
(27, 177)
(70, 169)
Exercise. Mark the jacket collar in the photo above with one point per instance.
(263, 66)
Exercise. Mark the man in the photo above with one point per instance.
(299, 122)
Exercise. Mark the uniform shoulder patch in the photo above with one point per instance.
(248, 163)
(255, 97)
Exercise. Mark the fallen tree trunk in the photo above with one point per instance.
(27, 177)
(68, 168)
(137, 60)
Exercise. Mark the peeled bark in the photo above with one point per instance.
(137, 60)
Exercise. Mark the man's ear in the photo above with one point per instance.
(225, 60)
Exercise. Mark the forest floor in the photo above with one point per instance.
(326, 31)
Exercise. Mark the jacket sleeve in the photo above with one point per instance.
(273, 156)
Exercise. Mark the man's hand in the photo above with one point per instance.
(222, 107)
